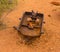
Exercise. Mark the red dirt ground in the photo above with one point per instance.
(10, 41)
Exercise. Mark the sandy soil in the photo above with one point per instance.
(10, 41)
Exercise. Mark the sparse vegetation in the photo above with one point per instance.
(6, 5)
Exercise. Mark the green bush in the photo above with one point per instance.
(6, 5)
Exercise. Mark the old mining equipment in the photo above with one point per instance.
(31, 24)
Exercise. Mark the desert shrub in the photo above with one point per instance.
(6, 5)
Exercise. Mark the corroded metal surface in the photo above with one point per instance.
(31, 24)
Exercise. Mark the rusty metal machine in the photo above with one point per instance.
(31, 24)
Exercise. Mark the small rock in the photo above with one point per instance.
(49, 15)
(55, 3)
(54, 10)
